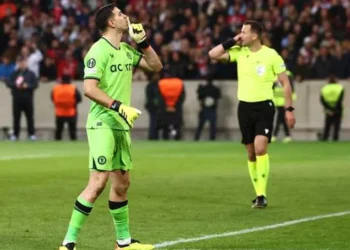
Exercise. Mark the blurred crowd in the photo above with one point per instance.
(54, 35)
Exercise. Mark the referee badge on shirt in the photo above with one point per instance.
(260, 70)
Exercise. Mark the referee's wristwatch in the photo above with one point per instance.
(290, 109)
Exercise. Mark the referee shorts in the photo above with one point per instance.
(255, 118)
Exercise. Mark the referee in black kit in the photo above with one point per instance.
(257, 66)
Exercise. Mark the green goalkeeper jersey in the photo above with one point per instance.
(113, 68)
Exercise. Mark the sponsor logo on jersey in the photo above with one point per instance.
(121, 67)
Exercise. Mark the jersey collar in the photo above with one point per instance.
(110, 43)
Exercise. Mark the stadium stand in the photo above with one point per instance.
(313, 36)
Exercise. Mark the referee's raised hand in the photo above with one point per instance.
(238, 38)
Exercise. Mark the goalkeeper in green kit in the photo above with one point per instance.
(107, 82)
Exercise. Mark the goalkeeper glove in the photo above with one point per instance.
(138, 34)
(129, 114)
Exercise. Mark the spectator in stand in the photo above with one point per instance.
(323, 63)
(190, 28)
(48, 70)
(6, 69)
(7, 8)
(33, 56)
(67, 66)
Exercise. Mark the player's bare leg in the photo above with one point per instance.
(96, 185)
(83, 207)
(118, 205)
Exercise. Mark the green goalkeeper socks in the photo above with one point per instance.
(81, 211)
(263, 168)
(253, 175)
(120, 214)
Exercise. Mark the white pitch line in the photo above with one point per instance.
(160, 155)
(250, 230)
(20, 157)
(35, 156)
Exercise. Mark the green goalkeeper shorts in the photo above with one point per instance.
(109, 150)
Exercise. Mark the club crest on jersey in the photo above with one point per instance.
(91, 63)
(128, 55)
(102, 160)
(260, 70)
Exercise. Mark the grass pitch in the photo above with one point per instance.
(179, 190)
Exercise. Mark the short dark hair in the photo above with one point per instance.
(102, 16)
(255, 27)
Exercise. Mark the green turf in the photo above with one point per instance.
(178, 190)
